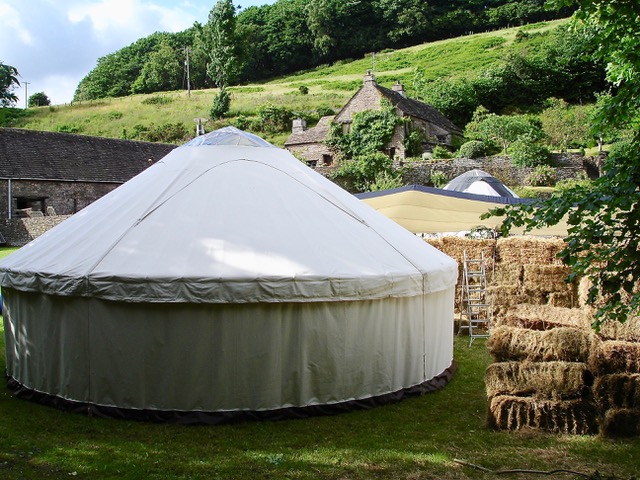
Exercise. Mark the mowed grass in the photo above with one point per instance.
(418, 438)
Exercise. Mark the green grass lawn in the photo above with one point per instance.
(418, 438)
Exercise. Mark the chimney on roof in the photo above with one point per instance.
(299, 125)
(369, 77)
(398, 87)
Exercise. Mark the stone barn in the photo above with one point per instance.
(45, 174)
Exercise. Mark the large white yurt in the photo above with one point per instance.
(227, 281)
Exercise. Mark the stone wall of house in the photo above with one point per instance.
(20, 231)
(368, 98)
(568, 166)
(65, 197)
(312, 153)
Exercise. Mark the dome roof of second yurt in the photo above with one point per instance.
(479, 182)
(228, 218)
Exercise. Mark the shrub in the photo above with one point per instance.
(472, 149)
(166, 133)
(441, 152)
(303, 89)
(65, 128)
(323, 111)
(114, 115)
(221, 104)
(525, 152)
(413, 143)
(581, 181)
(542, 176)
(242, 122)
(438, 179)
(526, 192)
(275, 118)
(386, 181)
(157, 100)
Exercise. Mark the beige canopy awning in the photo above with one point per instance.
(431, 210)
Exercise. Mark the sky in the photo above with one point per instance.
(56, 43)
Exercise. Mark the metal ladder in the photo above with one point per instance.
(475, 310)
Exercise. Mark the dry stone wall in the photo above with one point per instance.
(20, 231)
(568, 166)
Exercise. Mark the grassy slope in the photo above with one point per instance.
(329, 86)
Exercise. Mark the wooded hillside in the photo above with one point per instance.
(294, 35)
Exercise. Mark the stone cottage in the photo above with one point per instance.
(437, 129)
(48, 173)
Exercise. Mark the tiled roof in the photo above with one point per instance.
(418, 109)
(315, 134)
(38, 155)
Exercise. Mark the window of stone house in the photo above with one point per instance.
(327, 159)
(33, 203)
(312, 163)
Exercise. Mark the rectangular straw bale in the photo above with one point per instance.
(546, 278)
(614, 356)
(566, 299)
(565, 344)
(548, 380)
(506, 296)
(509, 274)
(543, 317)
(456, 246)
(508, 412)
(619, 423)
(618, 390)
(535, 297)
(628, 331)
(527, 250)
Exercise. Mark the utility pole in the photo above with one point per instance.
(26, 94)
(186, 62)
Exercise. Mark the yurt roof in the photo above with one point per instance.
(431, 210)
(228, 218)
(481, 183)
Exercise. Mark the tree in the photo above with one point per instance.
(221, 44)
(39, 99)
(161, 72)
(502, 129)
(603, 219)
(565, 125)
(8, 82)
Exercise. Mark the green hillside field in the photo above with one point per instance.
(329, 87)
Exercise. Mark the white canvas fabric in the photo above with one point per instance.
(226, 278)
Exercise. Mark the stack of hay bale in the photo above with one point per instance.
(541, 378)
(522, 269)
(616, 390)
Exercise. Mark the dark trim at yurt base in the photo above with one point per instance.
(219, 418)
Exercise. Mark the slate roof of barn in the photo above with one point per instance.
(418, 109)
(39, 155)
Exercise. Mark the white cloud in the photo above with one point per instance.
(11, 24)
(131, 18)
